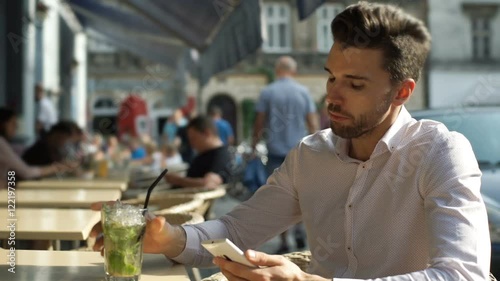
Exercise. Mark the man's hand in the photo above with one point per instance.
(66, 166)
(160, 237)
(273, 267)
(212, 180)
(173, 179)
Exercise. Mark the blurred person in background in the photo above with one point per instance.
(285, 114)
(46, 113)
(96, 146)
(179, 135)
(137, 150)
(223, 127)
(10, 161)
(56, 146)
(153, 157)
(210, 167)
(174, 122)
(171, 156)
(115, 151)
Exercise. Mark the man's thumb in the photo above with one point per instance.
(263, 259)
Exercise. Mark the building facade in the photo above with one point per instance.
(236, 90)
(43, 44)
(465, 57)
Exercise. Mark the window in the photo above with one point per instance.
(481, 38)
(277, 27)
(481, 29)
(325, 15)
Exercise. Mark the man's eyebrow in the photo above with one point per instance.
(356, 77)
(350, 76)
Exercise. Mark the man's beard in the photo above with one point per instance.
(363, 124)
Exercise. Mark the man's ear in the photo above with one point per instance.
(405, 91)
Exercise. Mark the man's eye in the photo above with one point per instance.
(331, 79)
(357, 87)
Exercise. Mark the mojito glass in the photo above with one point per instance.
(123, 227)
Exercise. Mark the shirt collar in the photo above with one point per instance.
(389, 141)
(394, 135)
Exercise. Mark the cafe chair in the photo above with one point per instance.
(208, 195)
(183, 218)
(169, 204)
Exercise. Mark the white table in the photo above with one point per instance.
(79, 266)
(59, 198)
(74, 183)
(49, 224)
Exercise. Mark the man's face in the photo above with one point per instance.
(196, 139)
(359, 91)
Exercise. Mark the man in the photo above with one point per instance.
(382, 196)
(223, 127)
(46, 112)
(211, 166)
(58, 145)
(285, 114)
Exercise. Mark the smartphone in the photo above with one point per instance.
(226, 249)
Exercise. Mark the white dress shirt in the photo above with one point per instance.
(413, 211)
(47, 114)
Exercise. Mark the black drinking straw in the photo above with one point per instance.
(150, 189)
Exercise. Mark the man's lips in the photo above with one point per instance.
(338, 117)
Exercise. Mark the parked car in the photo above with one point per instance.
(481, 126)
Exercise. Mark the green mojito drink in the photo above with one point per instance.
(123, 227)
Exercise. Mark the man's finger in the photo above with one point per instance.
(155, 224)
(96, 230)
(99, 243)
(230, 276)
(230, 269)
(263, 259)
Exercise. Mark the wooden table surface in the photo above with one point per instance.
(74, 183)
(79, 266)
(49, 224)
(59, 198)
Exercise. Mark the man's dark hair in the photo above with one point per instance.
(63, 127)
(403, 39)
(202, 124)
(6, 115)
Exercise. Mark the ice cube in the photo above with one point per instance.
(124, 214)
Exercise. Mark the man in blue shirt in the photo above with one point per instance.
(224, 129)
(285, 114)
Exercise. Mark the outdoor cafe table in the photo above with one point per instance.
(74, 183)
(113, 175)
(48, 224)
(59, 198)
(76, 265)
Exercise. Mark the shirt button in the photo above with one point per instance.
(350, 205)
(348, 248)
